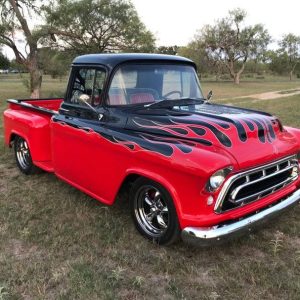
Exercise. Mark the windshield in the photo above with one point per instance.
(137, 83)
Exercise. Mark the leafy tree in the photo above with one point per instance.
(90, 26)
(54, 62)
(276, 61)
(4, 61)
(290, 49)
(171, 50)
(16, 66)
(15, 17)
(196, 52)
(230, 44)
(80, 26)
(256, 66)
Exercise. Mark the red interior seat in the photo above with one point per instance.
(117, 99)
(141, 98)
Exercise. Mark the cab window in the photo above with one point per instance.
(148, 83)
(88, 81)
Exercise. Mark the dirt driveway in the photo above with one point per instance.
(272, 95)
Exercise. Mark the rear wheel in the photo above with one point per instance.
(153, 212)
(23, 157)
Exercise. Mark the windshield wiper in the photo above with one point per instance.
(169, 103)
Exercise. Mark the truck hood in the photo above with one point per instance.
(250, 137)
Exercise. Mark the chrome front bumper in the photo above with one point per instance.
(207, 236)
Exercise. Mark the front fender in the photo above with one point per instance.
(184, 179)
(295, 132)
(161, 180)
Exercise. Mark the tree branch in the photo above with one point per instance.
(11, 44)
(21, 19)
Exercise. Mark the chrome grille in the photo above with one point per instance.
(252, 185)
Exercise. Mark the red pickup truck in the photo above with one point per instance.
(207, 172)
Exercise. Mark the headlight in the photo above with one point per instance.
(217, 179)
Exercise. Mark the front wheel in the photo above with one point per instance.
(153, 212)
(23, 157)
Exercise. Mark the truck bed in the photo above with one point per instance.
(47, 105)
(30, 119)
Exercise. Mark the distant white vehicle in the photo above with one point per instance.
(3, 71)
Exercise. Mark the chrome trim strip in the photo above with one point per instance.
(230, 180)
(207, 236)
(236, 190)
(283, 183)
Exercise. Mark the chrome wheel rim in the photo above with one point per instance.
(151, 211)
(23, 154)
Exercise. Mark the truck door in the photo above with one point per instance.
(77, 156)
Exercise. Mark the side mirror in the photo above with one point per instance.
(84, 98)
(209, 95)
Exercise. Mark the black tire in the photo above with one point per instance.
(23, 157)
(153, 212)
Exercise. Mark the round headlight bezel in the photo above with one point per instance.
(217, 179)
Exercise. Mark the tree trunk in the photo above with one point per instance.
(232, 73)
(230, 67)
(292, 70)
(238, 74)
(255, 66)
(35, 81)
(237, 78)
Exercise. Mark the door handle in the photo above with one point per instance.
(63, 109)
(87, 129)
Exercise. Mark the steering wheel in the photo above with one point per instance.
(78, 89)
(76, 92)
(171, 93)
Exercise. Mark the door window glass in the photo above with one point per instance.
(88, 81)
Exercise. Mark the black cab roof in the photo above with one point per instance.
(112, 59)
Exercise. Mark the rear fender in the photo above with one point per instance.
(33, 127)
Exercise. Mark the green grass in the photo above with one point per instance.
(14, 86)
(227, 89)
(287, 109)
(58, 243)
